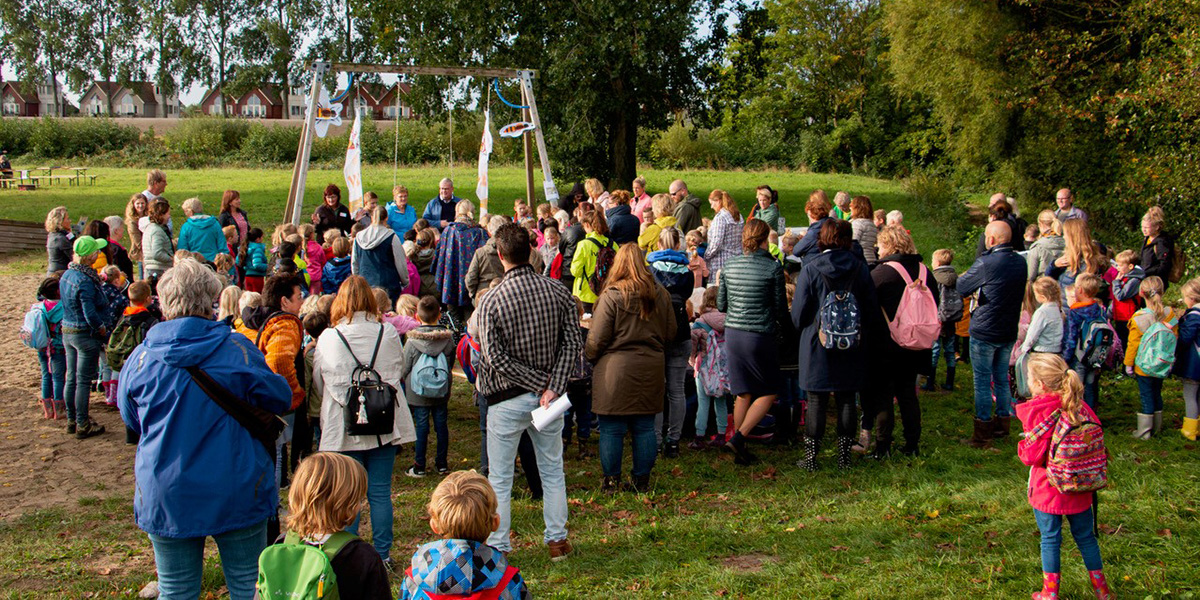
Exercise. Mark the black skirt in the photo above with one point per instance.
(753, 363)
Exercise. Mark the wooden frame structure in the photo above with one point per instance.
(295, 202)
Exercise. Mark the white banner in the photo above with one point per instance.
(353, 169)
(485, 151)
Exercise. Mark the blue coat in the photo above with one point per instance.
(197, 471)
(1187, 355)
(823, 370)
(202, 233)
(999, 276)
(256, 260)
(401, 222)
(623, 227)
(670, 269)
(437, 211)
(336, 271)
(85, 306)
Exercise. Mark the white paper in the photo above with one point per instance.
(547, 415)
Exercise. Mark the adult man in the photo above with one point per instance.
(440, 211)
(156, 184)
(687, 206)
(529, 341)
(485, 263)
(1066, 207)
(999, 277)
(999, 209)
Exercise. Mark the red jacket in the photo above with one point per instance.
(1033, 452)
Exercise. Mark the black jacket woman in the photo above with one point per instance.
(58, 240)
(1157, 256)
(834, 372)
(898, 367)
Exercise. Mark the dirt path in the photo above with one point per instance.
(43, 467)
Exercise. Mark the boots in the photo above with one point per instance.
(110, 392)
(1145, 425)
(863, 445)
(1049, 587)
(1157, 422)
(583, 449)
(639, 484)
(610, 484)
(982, 434)
(1191, 428)
(698, 444)
(60, 410)
(930, 386)
(949, 385)
(1001, 426)
(809, 462)
(843, 452)
(47, 408)
(1099, 585)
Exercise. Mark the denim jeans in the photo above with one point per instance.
(1082, 529)
(106, 372)
(1091, 383)
(612, 443)
(378, 463)
(180, 562)
(990, 365)
(83, 355)
(421, 416)
(676, 408)
(944, 347)
(54, 373)
(524, 449)
(703, 401)
(1150, 392)
(505, 422)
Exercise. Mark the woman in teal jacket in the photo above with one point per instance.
(200, 232)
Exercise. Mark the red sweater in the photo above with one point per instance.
(1033, 452)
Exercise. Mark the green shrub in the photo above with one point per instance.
(684, 146)
(938, 200)
(52, 137)
(206, 140)
(275, 144)
(16, 136)
(813, 152)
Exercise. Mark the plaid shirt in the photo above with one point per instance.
(528, 335)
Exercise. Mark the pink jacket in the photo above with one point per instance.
(714, 319)
(641, 204)
(1033, 452)
(699, 269)
(314, 255)
(402, 323)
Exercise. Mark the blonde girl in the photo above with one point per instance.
(1149, 419)
(228, 307)
(1187, 359)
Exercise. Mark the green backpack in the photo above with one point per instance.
(296, 571)
(124, 339)
(1156, 352)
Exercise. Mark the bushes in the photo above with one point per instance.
(64, 138)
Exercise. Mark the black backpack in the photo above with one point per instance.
(604, 261)
(370, 402)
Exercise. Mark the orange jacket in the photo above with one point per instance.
(280, 341)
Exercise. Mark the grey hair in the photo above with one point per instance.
(444, 181)
(188, 290)
(193, 206)
(496, 222)
(115, 225)
(895, 218)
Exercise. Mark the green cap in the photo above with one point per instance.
(87, 244)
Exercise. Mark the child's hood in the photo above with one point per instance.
(715, 319)
(431, 339)
(1037, 409)
(458, 567)
(945, 275)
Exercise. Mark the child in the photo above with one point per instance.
(255, 262)
(962, 329)
(463, 511)
(405, 317)
(1084, 308)
(314, 256)
(1125, 299)
(328, 490)
(773, 246)
(579, 390)
(695, 244)
(427, 358)
(315, 323)
(521, 210)
(226, 270)
(299, 256)
(1032, 233)
(545, 217)
(113, 287)
(422, 257)
(1055, 388)
(1045, 334)
(129, 332)
(880, 218)
(120, 256)
(231, 238)
(949, 313)
(1187, 359)
(788, 409)
(712, 376)
(53, 358)
(228, 304)
(337, 268)
(330, 235)
(549, 248)
(1149, 420)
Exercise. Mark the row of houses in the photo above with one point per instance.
(145, 99)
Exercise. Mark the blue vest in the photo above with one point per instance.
(378, 266)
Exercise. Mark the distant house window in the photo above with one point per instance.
(295, 110)
(97, 106)
(10, 106)
(406, 112)
(127, 106)
(254, 107)
(214, 109)
(390, 112)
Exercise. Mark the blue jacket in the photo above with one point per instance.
(808, 244)
(999, 277)
(1187, 355)
(85, 307)
(202, 233)
(256, 260)
(401, 222)
(437, 211)
(623, 227)
(670, 269)
(197, 471)
(336, 271)
(458, 568)
(1072, 327)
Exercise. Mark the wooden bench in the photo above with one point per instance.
(29, 183)
(21, 236)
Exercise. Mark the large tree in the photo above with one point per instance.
(268, 51)
(177, 63)
(40, 36)
(110, 45)
(214, 24)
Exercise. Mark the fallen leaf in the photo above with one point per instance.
(790, 529)
(839, 548)
(946, 546)
(769, 473)
(676, 471)
(933, 514)
(623, 514)
(1165, 533)
(824, 519)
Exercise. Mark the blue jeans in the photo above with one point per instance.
(1091, 383)
(481, 404)
(378, 463)
(506, 421)
(703, 401)
(612, 442)
(180, 562)
(1081, 529)
(83, 355)
(676, 408)
(944, 347)
(54, 373)
(1150, 391)
(421, 416)
(990, 364)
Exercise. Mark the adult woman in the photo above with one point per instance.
(99, 230)
(332, 214)
(725, 233)
(596, 194)
(200, 232)
(84, 328)
(669, 266)
(1080, 255)
(898, 367)
(188, 443)
(1048, 247)
(583, 264)
(660, 206)
(460, 239)
(357, 336)
(833, 372)
(621, 222)
(58, 240)
(158, 251)
(817, 209)
(640, 200)
(232, 214)
(137, 208)
(630, 328)
(400, 216)
(1158, 247)
(378, 256)
(865, 231)
(753, 297)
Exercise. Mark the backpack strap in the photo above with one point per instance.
(350, 350)
(375, 352)
(258, 338)
(899, 268)
(336, 542)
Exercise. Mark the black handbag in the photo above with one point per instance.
(263, 425)
(370, 402)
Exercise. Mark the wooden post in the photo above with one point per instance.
(547, 179)
(530, 192)
(295, 203)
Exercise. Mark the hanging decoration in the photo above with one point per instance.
(515, 130)
(329, 114)
(485, 151)
(353, 169)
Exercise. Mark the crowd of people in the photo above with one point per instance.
(655, 322)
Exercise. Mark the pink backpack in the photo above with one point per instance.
(916, 326)
(414, 281)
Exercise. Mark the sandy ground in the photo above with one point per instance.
(42, 466)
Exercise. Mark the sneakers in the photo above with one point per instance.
(443, 471)
(559, 550)
(671, 450)
(415, 472)
(698, 444)
(87, 430)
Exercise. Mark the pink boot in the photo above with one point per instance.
(110, 392)
(1099, 584)
(1049, 587)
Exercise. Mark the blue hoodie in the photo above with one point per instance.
(202, 233)
(336, 271)
(256, 260)
(458, 568)
(197, 471)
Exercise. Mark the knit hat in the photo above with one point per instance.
(87, 245)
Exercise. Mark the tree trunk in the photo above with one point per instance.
(622, 136)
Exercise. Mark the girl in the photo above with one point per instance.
(228, 303)
(1187, 359)
(422, 256)
(1045, 330)
(314, 257)
(695, 241)
(583, 264)
(711, 373)
(1080, 255)
(670, 269)
(52, 358)
(404, 319)
(255, 262)
(1149, 420)
(1057, 394)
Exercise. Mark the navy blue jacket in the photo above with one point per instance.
(808, 244)
(823, 370)
(670, 269)
(1187, 355)
(999, 277)
(623, 227)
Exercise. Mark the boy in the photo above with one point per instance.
(337, 269)
(949, 313)
(427, 357)
(128, 334)
(1083, 308)
(880, 218)
(463, 511)
(1126, 300)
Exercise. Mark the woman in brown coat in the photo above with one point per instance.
(631, 324)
